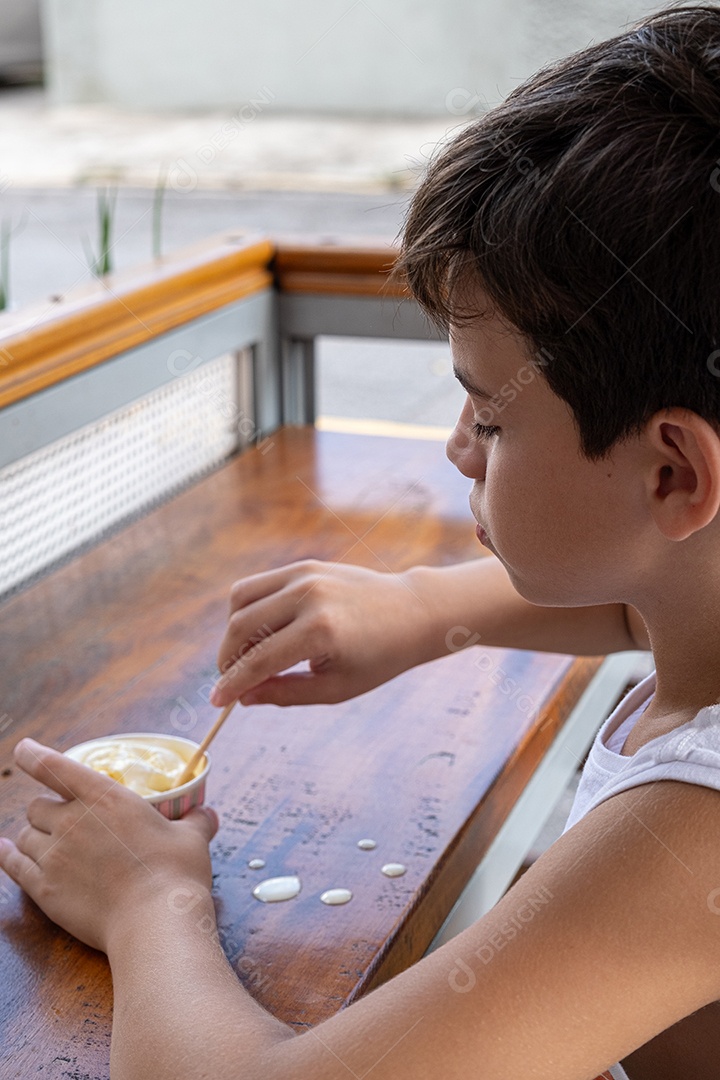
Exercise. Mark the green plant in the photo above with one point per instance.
(102, 264)
(5, 236)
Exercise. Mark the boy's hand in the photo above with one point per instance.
(93, 856)
(358, 628)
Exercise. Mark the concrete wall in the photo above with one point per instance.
(367, 57)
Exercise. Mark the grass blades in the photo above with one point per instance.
(5, 237)
(101, 263)
(7, 231)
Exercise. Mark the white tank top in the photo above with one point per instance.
(690, 753)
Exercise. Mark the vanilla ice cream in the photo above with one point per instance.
(145, 765)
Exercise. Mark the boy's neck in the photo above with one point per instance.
(684, 635)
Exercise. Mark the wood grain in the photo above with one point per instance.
(338, 267)
(125, 638)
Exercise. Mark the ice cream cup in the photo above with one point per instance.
(175, 802)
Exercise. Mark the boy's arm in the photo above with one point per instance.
(359, 628)
(610, 938)
(488, 610)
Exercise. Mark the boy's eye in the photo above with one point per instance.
(482, 431)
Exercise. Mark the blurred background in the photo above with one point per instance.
(278, 118)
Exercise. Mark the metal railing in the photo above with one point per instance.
(232, 321)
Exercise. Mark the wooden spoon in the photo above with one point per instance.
(189, 770)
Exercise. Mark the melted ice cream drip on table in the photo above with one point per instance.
(286, 888)
(393, 869)
(277, 888)
(333, 897)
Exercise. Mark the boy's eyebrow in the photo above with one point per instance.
(471, 389)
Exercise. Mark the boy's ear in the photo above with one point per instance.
(684, 478)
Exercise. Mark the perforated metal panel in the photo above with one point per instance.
(75, 490)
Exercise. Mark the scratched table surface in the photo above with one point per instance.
(125, 638)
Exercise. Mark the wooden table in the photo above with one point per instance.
(125, 637)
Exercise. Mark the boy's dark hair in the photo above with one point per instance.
(588, 206)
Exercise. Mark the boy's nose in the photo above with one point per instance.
(465, 452)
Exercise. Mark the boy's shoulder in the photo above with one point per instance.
(632, 750)
(611, 937)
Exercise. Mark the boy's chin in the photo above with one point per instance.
(539, 590)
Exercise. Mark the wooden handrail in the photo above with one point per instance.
(336, 265)
(47, 343)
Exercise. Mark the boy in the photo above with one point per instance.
(571, 235)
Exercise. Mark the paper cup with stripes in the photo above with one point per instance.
(173, 803)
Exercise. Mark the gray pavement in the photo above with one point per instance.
(48, 254)
(67, 145)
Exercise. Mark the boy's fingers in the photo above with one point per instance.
(41, 812)
(34, 843)
(300, 688)
(14, 863)
(251, 625)
(242, 661)
(61, 774)
(257, 665)
(205, 820)
(249, 590)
